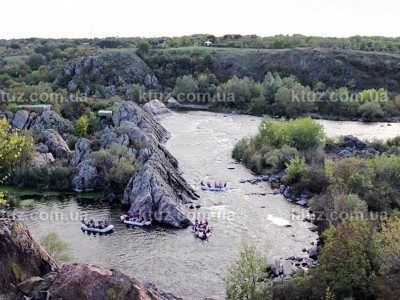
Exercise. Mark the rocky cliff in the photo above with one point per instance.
(21, 256)
(27, 272)
(156, 189)
(111, 68)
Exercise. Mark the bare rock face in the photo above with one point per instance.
(157, 188)
(83, 151)
(41, 159)
(56, 144)
(87, 179)
(89, 282)
(23, 119)
(156, 108)
(131, 112)
(21, 256)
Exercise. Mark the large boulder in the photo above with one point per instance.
(156, 108)
(23, 119)
(352, 141)
(56, 144)
(87, 179)
(83, 151)
(89, 282)
(21, 256)
(41, 159)
(131, 112)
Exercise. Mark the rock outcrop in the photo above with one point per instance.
(157, 188)
(41, 159)
(131, 112)
(87, 282)
(88, 178)
(56, 144)
(156, 108)
(21, 256)
(127, 68)
(83, 151)
(23, 119)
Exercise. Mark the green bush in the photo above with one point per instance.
(302, 134)
(56, 177)
(245, 275)
(82, 126)
(117, 163)
(294, 170)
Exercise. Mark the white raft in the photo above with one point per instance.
(104, 230)
(213, 189)
(135, 223)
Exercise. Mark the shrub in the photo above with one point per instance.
(56, 248)
(337, 206)
(313, 179)
(117, 163)
(302, 134)
(294, 169)
(245, 275)
(354, 175)
(82, 126)
(48, 177)
(346, 264)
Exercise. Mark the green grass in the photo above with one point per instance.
(13, 190)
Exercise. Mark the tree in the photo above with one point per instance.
(245, 275)
(56, 248)
(35, 61)
(184, 86)
(347, 262)
(302, 134)
(371, 110)
(82, 126)
(389, 259)
(144, 46)
(12, 144)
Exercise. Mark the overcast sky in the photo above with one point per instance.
(154, 18)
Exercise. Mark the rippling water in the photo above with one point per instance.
(173, 259)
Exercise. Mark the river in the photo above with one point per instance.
(173, 259)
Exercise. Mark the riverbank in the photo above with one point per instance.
(30, 192)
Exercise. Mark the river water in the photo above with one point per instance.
(173, 259)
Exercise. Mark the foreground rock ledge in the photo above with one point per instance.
(26, 270)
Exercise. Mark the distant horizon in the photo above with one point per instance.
(194, 34)
(155, 18)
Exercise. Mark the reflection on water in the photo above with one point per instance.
(202, 143)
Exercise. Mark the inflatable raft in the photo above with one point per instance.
(104, 230)
(136, 223)
(213, 189)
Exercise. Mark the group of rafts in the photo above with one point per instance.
(104, 227)
(200, 229)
